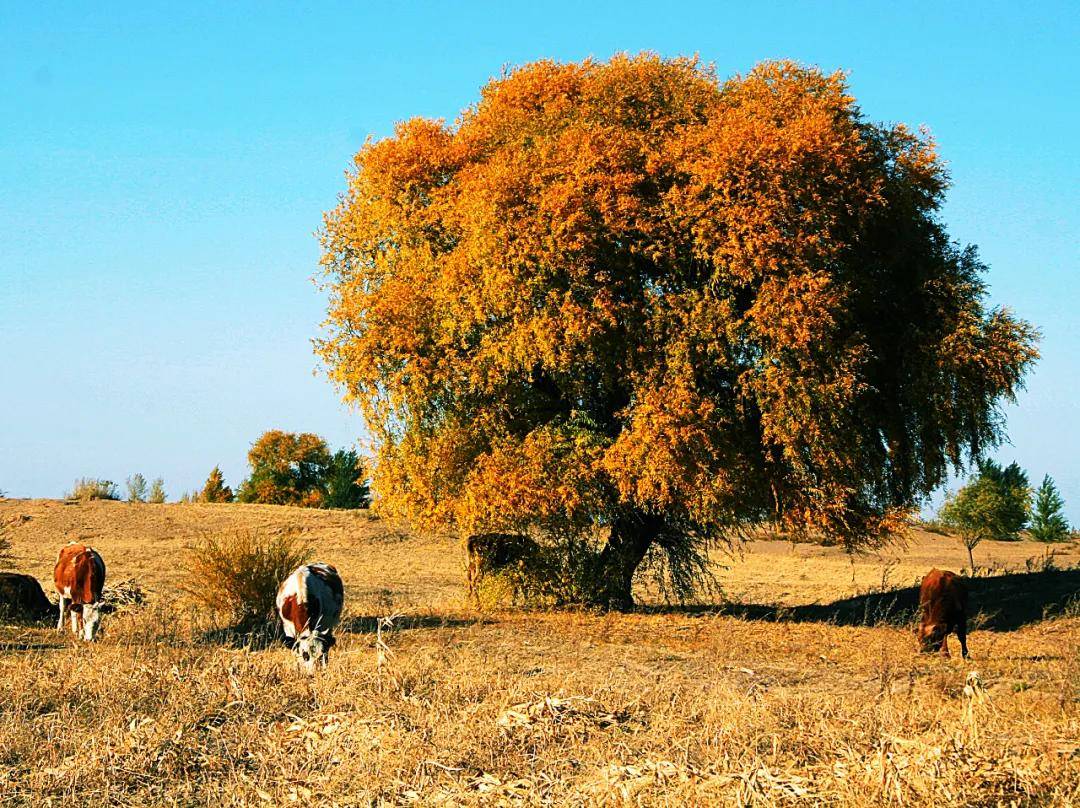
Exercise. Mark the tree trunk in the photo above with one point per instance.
(971, 558)
(632, 533)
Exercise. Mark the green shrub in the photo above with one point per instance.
(506, 569)
(136, 488)
(157, 492)
(243, 569)
(88, 488)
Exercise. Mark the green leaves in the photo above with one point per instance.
(1048, 522)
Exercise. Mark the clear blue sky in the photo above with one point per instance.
(163, 167)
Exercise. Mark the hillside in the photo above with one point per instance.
(789, 690)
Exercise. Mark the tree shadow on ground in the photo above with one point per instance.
(996, 603)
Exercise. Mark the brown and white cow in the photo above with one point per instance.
(943, 605)
(79, 577)
(309, 602)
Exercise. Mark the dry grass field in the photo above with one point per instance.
(803, 686)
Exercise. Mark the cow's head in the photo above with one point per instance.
(931, 636)
(313, 648)
(91, 619)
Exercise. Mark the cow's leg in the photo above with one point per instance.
(961, 634)
(60, 622)
(76, 618)
(945, 646)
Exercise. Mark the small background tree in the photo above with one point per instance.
(1048, 521)
(975, 513)
(215, 489)
(136, 488)
(287, 468)
(1015, 497)
(346, 481)
(157, 491)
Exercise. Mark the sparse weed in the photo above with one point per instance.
(89, 488)
(235, 574)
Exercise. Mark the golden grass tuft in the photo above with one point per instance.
(235, 575)
(90, 488)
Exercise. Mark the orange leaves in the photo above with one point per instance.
(547, 477)
(625, 283)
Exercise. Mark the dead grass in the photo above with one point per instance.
(244, 569)
(763, 702)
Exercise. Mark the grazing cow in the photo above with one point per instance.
(309, 602)
(487, 553)
(22, 597)
(79, 577)
(943, 604)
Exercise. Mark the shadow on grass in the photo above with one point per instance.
(257, 637)
(269, 635)
(30, 646)
(362, 624)
(996, 603)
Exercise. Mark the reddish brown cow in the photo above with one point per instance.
(79, 577)
(943, 604)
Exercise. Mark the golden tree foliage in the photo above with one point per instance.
(287, 468)
(629, 295)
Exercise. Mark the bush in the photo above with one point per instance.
(88, 488)
(544, 577)
(245, 567)
(136, 488)
(157, 491)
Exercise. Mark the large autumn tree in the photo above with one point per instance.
(630, 301)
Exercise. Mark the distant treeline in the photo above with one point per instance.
(286, 468)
